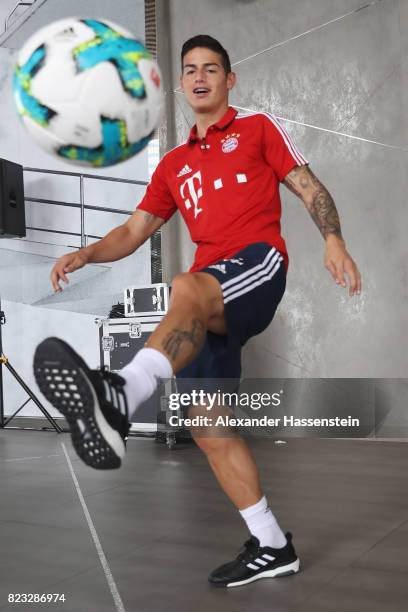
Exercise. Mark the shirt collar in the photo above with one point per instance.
(221, 124)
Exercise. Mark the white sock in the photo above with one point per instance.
(142, 374)
(263, 525)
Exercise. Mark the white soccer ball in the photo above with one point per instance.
(88, 91)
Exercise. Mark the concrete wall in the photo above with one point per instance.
(337, 77)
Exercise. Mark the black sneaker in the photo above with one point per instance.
(255, 562)
(92, 401)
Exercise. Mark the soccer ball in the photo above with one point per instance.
(88, 91)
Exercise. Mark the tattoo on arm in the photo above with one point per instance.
(296, 179)
(324, 213)
(176, 339)
(303, 183)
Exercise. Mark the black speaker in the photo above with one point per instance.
(12, 208)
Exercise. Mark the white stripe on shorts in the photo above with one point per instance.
(256, 283)
(240, 277)
(265, 270)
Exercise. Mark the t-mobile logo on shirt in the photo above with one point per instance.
(193, 194)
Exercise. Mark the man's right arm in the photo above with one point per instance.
(123, 240)
(117, 244)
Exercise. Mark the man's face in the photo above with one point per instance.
(204, 81)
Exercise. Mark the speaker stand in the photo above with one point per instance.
(6, 363)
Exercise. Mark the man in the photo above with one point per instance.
(225, 182)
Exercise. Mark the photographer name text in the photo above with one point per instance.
(285, 421)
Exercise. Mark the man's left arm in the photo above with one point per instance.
(318, 201)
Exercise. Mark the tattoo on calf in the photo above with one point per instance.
(173, 342)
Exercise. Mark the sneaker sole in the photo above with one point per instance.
(284, 570)
(63, 378)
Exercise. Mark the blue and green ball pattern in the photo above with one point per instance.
(22, 82)
(110, 46)
(107, 45)
(114, 148)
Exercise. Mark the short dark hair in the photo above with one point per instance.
(208, 42)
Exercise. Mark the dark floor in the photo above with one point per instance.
(163, 525)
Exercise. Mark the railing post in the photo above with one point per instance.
(9, 16)
(82, 202)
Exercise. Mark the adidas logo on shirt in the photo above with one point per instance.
(184, 171)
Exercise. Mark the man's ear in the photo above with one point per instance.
(231, 80)
(181, 82)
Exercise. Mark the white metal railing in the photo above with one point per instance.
(82, 206)
(10, 15)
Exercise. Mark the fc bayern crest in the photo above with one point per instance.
(230, 143)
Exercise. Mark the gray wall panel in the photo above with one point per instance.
(335, 88)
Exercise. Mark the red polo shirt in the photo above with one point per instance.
(226, 185)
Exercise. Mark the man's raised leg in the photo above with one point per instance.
(98, 404)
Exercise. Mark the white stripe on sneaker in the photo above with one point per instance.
(110, 435)
(266, 556)
(261, 561)
(252, 566)
(107, 391)
(283, 569)
(122, 405)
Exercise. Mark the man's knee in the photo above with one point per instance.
(199, 291)
(208, 436)
(210, 444)
(185, 285)
(188, 291)
(184, 282)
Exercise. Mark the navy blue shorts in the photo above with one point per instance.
(253, 283)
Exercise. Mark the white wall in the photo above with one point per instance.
(26, 327)
(33, 311)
